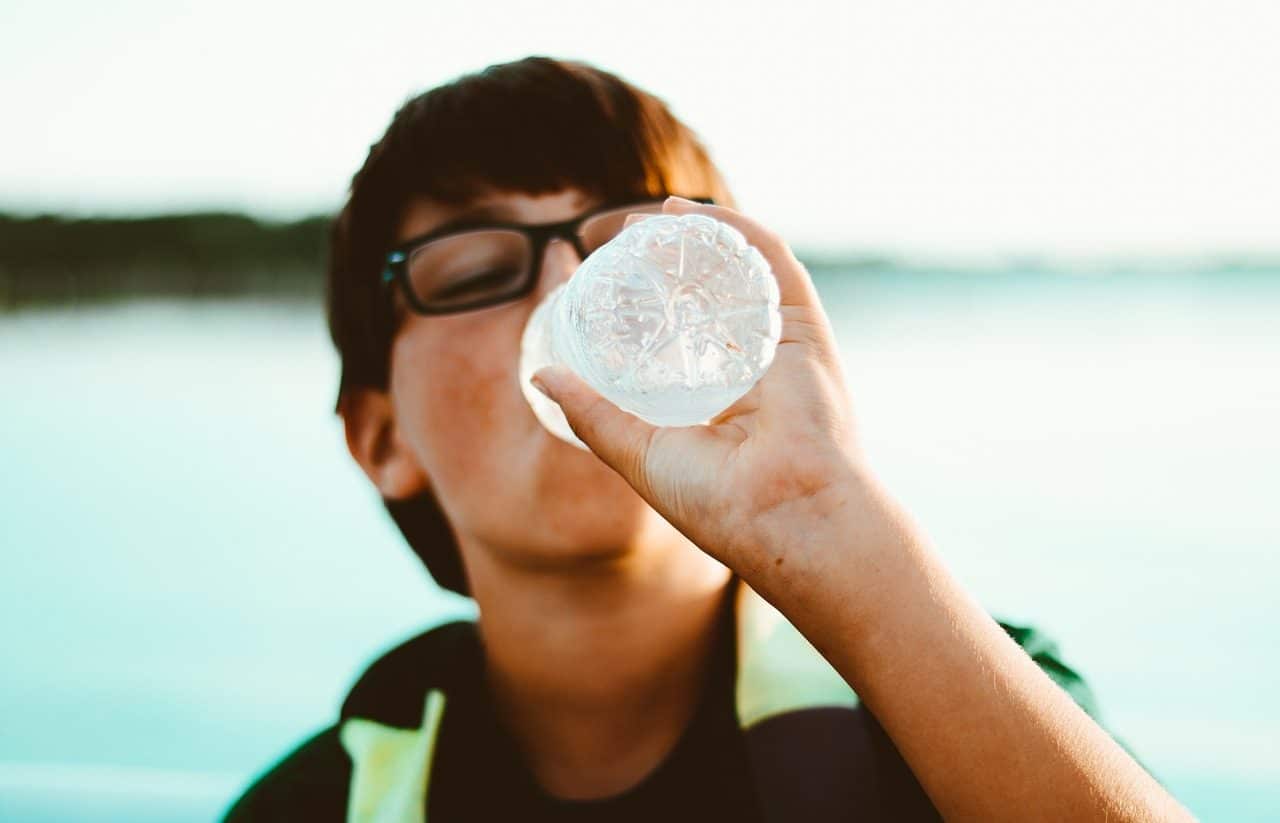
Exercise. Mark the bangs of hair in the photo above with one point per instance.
(539, 125)
(535, 131)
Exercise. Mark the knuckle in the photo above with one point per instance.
(772, 245)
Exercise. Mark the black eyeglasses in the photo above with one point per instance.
(475, 264)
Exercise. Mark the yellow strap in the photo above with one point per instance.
(778, 669)
(391, 767)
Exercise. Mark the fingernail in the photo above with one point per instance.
(680, 201)
(540, 386)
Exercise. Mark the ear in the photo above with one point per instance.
(374, 440)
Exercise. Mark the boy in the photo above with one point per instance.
(726, 622)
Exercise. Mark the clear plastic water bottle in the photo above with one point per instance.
(673, 320)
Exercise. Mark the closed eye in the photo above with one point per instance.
(490, 280)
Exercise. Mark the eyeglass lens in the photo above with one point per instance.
(471, 267)
(487, 265)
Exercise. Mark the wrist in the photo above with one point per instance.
(854, 579)
(848, 523)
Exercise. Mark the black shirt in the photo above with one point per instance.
(814, 761)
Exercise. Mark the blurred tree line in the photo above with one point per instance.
(61, 260)
(65, 261)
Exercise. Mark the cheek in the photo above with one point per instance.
(498, 475)
(454, 387)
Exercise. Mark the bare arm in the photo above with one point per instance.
(778, 489)
(986, 732)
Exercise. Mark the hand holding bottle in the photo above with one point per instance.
(776, 459)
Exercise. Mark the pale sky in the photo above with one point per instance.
(1076, 128)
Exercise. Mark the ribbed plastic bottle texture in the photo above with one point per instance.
(673, 320)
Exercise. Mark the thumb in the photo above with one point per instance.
(620, 439)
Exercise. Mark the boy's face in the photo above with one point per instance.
(509, 488)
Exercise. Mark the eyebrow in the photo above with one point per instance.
(474, 215)
(478, 215)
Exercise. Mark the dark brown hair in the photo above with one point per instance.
(535, 126)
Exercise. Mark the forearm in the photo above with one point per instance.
(988, 735)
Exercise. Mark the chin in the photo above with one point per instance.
(582, 508)
(572, 506)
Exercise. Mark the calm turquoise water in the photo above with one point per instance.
(193, 570)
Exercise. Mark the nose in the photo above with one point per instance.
(559, 261)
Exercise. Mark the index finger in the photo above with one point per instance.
(795, 286)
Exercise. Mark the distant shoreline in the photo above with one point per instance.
(51, 259)
(55, 260)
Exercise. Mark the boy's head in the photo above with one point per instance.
(431, 404)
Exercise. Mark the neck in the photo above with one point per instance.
(596, 666)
